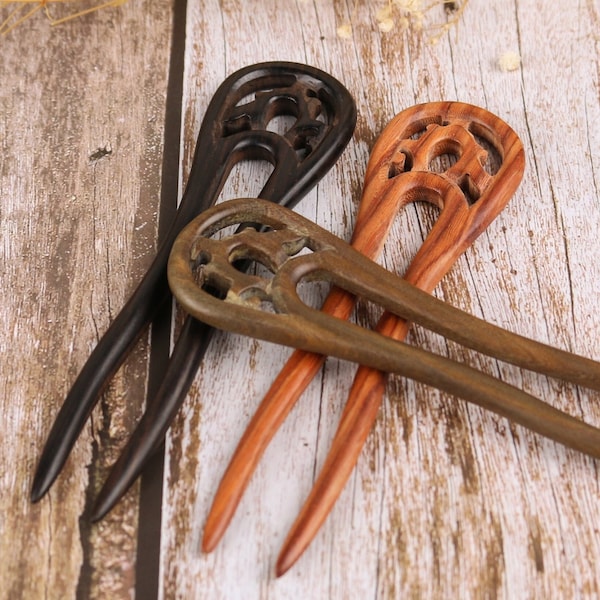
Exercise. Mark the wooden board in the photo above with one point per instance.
(82, 124)
(448, 500)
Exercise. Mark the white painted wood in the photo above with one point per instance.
(447, 500)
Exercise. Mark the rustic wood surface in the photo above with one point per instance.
(447, 500)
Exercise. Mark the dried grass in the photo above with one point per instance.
(401, 15)
(17, 11)
(394, 15)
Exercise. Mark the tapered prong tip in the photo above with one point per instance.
(99, 512)
(213, 532)
(208, 543)
(40, 486)
(219, 517)
(112, 491)
(286, 559)
(36, 494)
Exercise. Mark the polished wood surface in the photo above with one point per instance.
(447, 500)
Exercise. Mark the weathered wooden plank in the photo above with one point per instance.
(447, 500)
(82, 111)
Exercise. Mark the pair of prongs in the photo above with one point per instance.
(204, 278)
(242, 123)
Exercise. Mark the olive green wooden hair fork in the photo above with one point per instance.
(204, 279)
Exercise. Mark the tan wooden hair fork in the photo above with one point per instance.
(398, 172)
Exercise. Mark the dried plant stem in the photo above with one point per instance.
(405, 13)
(16, 16)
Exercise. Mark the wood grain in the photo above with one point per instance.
(447, 500)
(82, 117)
(443, 502)
(396, 175)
